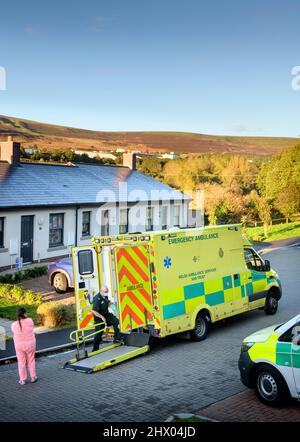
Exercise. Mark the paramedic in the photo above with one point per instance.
(102, 315)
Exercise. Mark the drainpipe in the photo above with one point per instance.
(76, 225)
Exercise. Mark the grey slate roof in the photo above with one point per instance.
(36, 185)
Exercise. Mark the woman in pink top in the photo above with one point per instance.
(24, 340)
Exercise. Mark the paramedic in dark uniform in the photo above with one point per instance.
(102, 315)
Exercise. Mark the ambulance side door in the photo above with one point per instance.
(296, 356)
(256, 280)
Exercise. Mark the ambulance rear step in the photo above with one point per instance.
(112, 354)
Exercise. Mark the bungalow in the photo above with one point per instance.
(45, 209)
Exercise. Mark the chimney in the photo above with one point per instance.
(10, 151)
(129, 160)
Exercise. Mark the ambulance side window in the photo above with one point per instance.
(85, 262)
(253, 261)
(289, 335)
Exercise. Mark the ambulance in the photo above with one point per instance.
(169, 282)
(270, 362)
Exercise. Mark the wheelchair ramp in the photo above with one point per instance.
(106, 357)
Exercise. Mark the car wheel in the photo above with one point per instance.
(60, 283)
(271, 305)
(270, 387)
(201, 327)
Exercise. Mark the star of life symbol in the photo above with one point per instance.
(167, 262)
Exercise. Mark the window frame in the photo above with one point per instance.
(166, 208)
(176, 206)
(88, 233)
(149, 225)
(121, 230)
(61, 229)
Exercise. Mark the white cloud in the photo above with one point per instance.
(243, 128)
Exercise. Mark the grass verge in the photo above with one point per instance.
(276, 232)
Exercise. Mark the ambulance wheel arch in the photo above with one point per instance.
(272, 298)
(269, 384)
(202, 321)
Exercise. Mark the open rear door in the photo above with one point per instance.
(86, 283)
(134, 286)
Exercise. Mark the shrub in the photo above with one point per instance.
(54, 314)
(10, 278)
(17, 295)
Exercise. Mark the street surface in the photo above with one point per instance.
(177, 376)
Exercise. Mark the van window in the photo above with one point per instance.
(289, 335)
(85, 262)
(253, 261)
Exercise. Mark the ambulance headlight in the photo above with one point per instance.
(246, 346)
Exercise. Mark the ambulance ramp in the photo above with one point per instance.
(111, 355)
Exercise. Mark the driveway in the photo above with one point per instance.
(42, 286)
(177, 376)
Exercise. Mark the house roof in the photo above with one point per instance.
(36, 185)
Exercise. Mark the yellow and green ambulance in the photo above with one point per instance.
(169, 282)
(270, 362)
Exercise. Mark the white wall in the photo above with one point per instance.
(41, 250)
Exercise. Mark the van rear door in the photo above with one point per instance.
(86, 282)
(133, 286)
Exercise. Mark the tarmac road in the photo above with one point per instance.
(177, 376)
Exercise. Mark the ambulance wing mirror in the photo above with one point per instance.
(267, 266)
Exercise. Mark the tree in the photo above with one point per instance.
(288, 200)
(280, 172)
(263, 207)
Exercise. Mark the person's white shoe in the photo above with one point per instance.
(22, 382)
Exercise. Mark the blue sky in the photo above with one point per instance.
(217, 67)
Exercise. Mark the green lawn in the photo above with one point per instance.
(8, 310)
(276, 232)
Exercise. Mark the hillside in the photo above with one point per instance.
(60, 137)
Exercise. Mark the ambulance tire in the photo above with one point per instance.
(201, 328)
(270, 386)
(271, 305)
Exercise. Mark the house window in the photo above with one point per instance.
(86, 223)
(164, 217)
(56, 229)
(176, 216)
(123, 225)
(2, 232)
(149, 219)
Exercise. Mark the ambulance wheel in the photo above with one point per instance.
(271, 305)
(201, 328)
(270, 386)
(60, 283)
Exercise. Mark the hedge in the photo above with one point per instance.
(55, 314)
(21, 275)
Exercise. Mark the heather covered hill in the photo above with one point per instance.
(52, 136)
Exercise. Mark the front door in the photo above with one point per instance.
(27, 238)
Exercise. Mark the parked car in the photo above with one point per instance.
(270, 362)
(60, 275)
